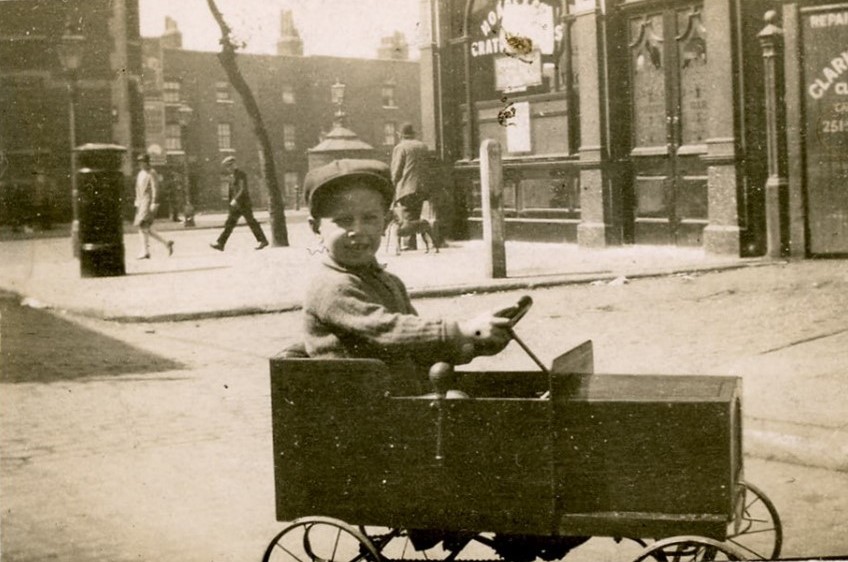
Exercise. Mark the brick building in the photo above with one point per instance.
(34, 95)
(294, 93)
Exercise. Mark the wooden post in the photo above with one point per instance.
(777, 211)
(491, 191)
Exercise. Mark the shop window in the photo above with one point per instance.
(171, 91)
(287, 92)
(289, 137)
(648, 78)
(694, 79)
(521, 52)
(173, 137)
(224, 136)
(389, 133)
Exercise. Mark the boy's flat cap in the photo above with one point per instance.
(228, 160)
(322, 178)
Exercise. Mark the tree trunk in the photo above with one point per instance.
(227, 57)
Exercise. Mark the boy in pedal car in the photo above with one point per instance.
(353, 307)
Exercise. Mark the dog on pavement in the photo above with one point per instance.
(402, 228)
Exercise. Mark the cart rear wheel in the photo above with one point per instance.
(758, 531)
(689, 549)
(321, 539)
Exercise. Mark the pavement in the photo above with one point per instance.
(199, 282)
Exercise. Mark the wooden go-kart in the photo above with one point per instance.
(529, 465)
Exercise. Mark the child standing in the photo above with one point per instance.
(353, 307)
(146, 205)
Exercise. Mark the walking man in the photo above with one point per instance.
(239, 206)
(409, 174)
(146, 192)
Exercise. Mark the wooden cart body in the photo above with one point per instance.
(604, 455)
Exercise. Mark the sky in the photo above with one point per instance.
(346, 28)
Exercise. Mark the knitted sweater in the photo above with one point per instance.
(365, 312)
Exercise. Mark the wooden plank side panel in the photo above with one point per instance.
(646, 444)
(334, 445)
(498, 462)
(631, 457)
(344, 448)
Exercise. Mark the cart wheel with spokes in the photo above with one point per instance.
(689, 549)
(321, 539)
(757, 531)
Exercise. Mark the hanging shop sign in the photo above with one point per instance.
(516, 27)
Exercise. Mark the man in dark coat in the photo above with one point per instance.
(410, 159)
(239, 206)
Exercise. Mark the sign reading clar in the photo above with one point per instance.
(828, 77)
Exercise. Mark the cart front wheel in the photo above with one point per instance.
(689, 549)
(757, 531)
(321, 539)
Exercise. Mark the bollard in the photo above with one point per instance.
(777, 206)
(491, 191)
(100, 183)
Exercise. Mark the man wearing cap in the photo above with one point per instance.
(409, 174)
(146, 205)
(240, 206)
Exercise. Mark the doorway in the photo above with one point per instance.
(667, 52)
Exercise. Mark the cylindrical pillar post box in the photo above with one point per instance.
(100, 183)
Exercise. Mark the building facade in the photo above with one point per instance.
(295, 95)
(35, 140)
(621, 121)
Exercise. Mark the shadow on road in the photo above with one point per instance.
(38, 346)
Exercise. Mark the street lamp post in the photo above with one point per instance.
(184, 114)
(70, 56)
(337, 92)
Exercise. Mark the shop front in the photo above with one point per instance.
(621, 122)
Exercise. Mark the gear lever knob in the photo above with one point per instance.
(441, 376)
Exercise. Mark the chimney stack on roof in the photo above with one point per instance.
(289, 43)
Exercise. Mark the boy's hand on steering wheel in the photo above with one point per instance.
(488, 333)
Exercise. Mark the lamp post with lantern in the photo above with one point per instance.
(184, 115)
(70, 51)
(337, 92)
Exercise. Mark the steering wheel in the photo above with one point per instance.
(517, 311)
